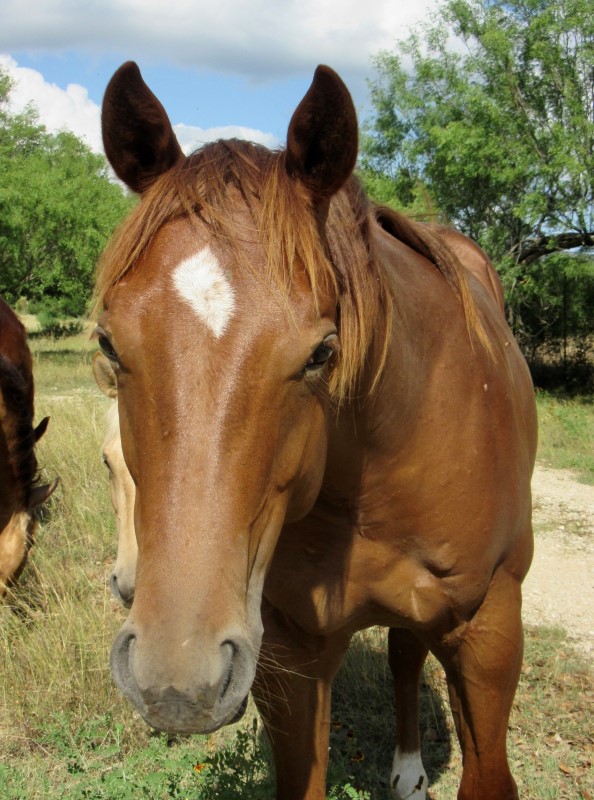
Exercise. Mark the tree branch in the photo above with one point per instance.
(532, 249)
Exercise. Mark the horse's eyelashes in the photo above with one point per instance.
(319, 357)
(322, 354)
(107, 348)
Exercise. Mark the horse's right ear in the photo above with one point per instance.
(138, 138)
(39, 494)
(104, 375)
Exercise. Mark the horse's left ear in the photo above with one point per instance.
(322, 137)
(138, 137)
(41, 428)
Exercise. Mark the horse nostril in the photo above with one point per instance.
(113, 585)
(121, 667)
(120, 653)
(229, 649)
(121, 592)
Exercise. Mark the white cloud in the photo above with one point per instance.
(262, 39)
(71, 109)
(191, 137)
(59, 109)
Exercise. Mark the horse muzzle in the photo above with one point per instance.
(186, 692)
(121, 584)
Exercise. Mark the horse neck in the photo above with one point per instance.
(421, 298)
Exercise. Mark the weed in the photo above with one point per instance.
(240, 768)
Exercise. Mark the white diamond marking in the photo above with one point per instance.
(201, 282)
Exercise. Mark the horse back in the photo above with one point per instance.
(15, 354)
(457, 396)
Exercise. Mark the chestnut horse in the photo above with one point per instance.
(329, 426)
(121, 488)
(20, 492)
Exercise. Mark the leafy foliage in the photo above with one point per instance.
(490, 113)
(556, 295)
(501, 134)
(57, 209)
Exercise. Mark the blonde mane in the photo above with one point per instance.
(198, 189)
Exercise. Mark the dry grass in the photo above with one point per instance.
(65, 732)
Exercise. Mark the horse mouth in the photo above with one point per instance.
(240, 711)
(121, 591)
(186, 718)
(175, 709)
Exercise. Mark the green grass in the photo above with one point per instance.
(566, 433)
(63, 366)
(65, 732)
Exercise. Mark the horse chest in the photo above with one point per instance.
(329, 577)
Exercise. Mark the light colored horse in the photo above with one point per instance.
(20, 492)
(121, 488)
(329, 426)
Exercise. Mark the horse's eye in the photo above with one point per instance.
(107, 347)
(106, 461)
(322, 354)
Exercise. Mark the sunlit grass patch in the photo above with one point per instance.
(566, 433)
(551, 742)
(63, 366)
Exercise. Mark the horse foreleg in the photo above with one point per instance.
(482, 660)
(292, 692)
(406, 656)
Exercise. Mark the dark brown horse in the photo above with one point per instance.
(19, 489)
(329, 427)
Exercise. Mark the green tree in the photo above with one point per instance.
(496, 119)
(57, 209)
(491, 111)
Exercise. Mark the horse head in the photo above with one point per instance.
(121, 488)
(223, 336)
(20, 494)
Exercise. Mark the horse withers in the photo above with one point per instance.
(329, 426)
(121, 488)
(20, 491)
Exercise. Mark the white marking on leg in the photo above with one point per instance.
(202, 283)
(408, 779)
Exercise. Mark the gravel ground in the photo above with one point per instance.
(559, 589)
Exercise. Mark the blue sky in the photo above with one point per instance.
(220, 67)
(196, 97)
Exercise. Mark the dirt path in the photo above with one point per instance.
(559, 589)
